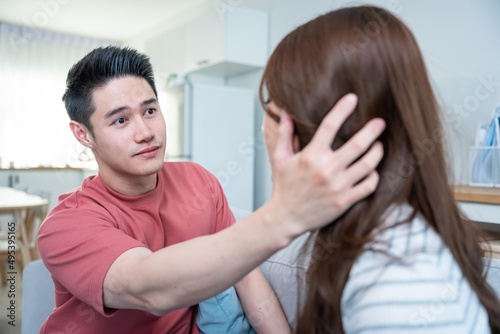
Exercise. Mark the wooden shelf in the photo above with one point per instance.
(492, 249)
(466, 193)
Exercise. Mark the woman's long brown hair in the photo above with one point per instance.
(368, 51)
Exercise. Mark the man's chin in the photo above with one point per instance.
(159, 167)
(144, 168)
(153, 168)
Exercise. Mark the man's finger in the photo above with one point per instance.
(360, 142)
(331, 123)
(364, 166)
(362, 189)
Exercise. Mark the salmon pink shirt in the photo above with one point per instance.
(92, 225)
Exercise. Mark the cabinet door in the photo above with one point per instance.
(246, 38)
(204, 43)
(167, 54)
(229, 44)
(222, 139)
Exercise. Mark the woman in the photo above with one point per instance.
(404, 259)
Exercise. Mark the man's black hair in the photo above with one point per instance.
(95, 70)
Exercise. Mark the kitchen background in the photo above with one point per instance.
(208, 57)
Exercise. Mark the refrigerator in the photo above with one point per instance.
(214, 127)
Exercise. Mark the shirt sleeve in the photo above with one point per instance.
(87, 244)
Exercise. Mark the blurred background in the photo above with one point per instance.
(208, 57)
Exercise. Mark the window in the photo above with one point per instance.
(34, 125)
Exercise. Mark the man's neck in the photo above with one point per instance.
(130, 186)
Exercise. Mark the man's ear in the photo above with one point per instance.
(82, 134)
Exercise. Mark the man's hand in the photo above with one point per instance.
(316, 185)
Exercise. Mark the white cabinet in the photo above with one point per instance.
(226, 45)
(213, 43)
(166, 52)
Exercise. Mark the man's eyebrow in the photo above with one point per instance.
(152, 100)
(113, 112)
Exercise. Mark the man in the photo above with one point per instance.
(130, 253)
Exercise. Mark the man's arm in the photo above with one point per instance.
(262, 307)
(186, 273)
(310, 189)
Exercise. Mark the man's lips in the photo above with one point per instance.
(148, 152)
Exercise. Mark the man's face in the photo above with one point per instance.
(129, 129)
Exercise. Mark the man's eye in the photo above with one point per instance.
(150, 111)
(120, 120)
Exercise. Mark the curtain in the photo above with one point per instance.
(34, 125)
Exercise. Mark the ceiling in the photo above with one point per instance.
(115, 20)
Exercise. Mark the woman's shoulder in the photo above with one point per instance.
(405, 253)
(407, 279)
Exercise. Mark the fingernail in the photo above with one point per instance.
(381, 123)
(351, 99)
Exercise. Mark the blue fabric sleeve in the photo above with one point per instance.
(223, 314)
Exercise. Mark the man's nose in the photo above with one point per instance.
(143, 131)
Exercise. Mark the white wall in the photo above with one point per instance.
(460, 42)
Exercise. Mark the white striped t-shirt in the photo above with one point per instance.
(425, 292)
